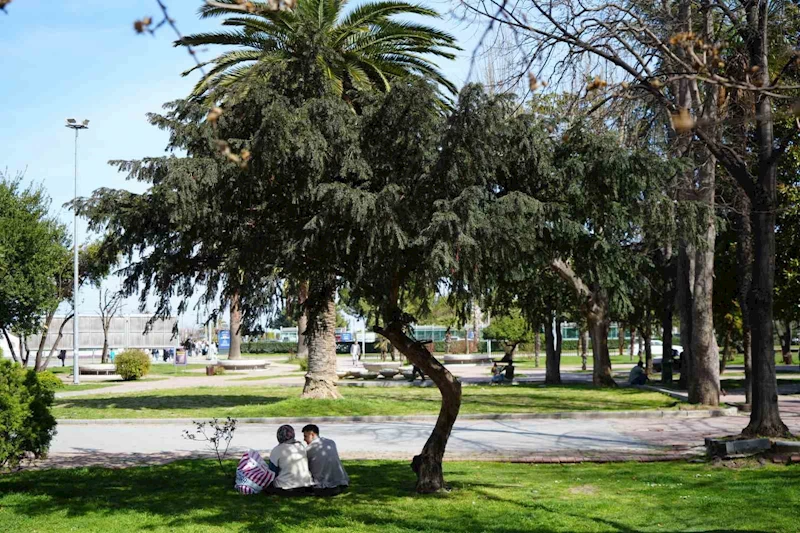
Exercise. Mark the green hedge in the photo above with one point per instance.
(269, 347)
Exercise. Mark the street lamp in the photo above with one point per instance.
(77, 126)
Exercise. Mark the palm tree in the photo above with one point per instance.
(362, 50)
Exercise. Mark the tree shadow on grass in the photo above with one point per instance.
(196, 495)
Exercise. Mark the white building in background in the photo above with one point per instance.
(124, 332)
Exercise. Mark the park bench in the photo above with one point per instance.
(97, 369)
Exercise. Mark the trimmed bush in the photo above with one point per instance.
(26, 424)
(219, 370)
(132, 364)
(48, 379)
(269, 347)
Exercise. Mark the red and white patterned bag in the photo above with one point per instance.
(253, 474)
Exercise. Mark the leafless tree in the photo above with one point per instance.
(110, 303)
(688, 60)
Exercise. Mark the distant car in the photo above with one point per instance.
(657, 348)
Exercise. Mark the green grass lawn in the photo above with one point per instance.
(207, 402)
(194, 496)
(87, 386)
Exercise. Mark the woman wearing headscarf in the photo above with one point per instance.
(290, 458)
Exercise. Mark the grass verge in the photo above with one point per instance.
(255, 401)
(193, 496)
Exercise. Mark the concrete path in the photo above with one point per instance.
(519, 440)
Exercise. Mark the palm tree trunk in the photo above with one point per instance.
(302, 322)
(321, 376)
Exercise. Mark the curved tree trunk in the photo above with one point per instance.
(321, 376)
(595, 308)
(428, 464)
(552, 339)
(302, 321)
(235, 351)
(43, 340)
(56, 342)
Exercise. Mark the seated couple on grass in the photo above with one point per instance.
(294, 468)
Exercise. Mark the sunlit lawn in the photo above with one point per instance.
(255, 401)
(194, 496)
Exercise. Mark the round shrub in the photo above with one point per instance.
(50, 380)
(26, 424)
(132, 364)
(219, 370)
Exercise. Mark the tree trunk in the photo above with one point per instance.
(57, 341)
(302, 321)
(726, 348)
(537, 346)
(394, 353)
(685, 288)
(744, 273)
(43, 340)
(321, 376)
(666, 319)
(621, 338)
(584, 347)
(235, 351)
(595, 308)
(632, 344)
(786, 343)
(428, 464)
(552, 340)
(104, 355)
(704, 377)
(10, 345)
(647, 337)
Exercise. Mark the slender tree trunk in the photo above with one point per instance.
(621, 338)
(56, 342)
(744, 273)
(104, 355)
(235, 351)
(395, 353)
(537, 346)
(633, 343)
(726, 349)
(786, 343)
(302, 322)
(685, 289)
(584, 347)
(321, 376)
(43, 340)
(647, 337)
(553, 351)
(668, 304)
(428, 464)
(10, 345)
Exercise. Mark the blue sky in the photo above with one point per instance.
(81, 59)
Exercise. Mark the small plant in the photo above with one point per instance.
(302, 362)
(215, 434)
(26, 424)
(50, 380)
(219, 370)
(132, 364)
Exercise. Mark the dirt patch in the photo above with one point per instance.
(583, 489)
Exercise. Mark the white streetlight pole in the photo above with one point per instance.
(73, 124)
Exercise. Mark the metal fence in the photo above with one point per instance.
(124, 332)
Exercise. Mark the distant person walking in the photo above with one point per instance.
(355, 353)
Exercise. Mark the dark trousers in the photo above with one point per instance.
(332, 491)
(299, 491)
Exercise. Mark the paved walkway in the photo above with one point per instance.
(518, 440)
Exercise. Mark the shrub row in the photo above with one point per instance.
(269, 347)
